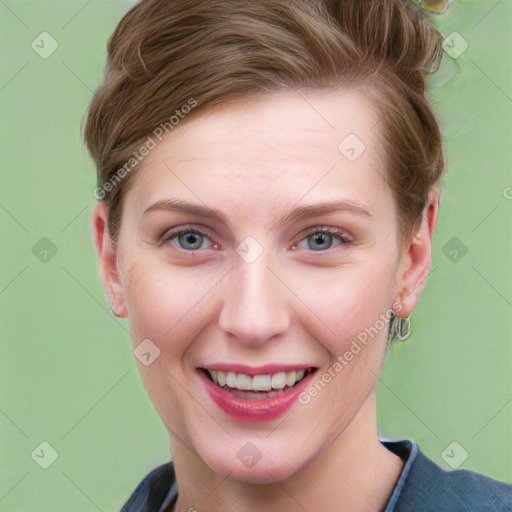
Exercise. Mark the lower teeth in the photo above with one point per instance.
(255, 394)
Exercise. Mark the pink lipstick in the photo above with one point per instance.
(240, 401)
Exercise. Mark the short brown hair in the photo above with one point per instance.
(166, 54)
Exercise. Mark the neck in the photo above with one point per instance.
(355, 471)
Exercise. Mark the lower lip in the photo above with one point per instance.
(254, 409)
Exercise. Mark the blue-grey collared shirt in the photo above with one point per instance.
(423, 486)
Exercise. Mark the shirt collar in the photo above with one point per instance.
(407, 450)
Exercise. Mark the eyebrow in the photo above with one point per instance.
(297, 214)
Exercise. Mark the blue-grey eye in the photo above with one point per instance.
(188, 240)
(321, 240)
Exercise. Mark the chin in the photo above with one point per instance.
(274, 465)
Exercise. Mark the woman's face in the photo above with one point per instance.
(259, 290)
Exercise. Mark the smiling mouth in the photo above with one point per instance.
(257, 386)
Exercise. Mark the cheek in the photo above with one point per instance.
(165, 307)
(164, 302)
(344, 302)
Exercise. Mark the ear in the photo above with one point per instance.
(417, 260)
(107, 260)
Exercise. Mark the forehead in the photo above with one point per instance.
(284, 140)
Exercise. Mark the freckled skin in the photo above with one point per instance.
(288, 306)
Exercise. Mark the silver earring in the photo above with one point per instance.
(399, 328)
(403, 328)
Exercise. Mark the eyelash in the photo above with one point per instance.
(340, 234)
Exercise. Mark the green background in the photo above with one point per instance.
(68, 375)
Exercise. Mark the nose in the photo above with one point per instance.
(254, 308)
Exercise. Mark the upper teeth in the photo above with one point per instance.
(257, 383)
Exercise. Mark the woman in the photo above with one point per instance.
(268, 185)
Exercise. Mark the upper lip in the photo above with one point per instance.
(260, 370)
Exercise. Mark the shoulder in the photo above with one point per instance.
(428, 487)
(151, 492)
